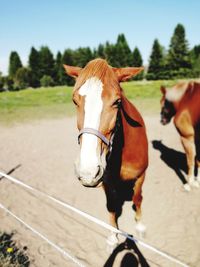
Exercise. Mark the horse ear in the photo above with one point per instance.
(190, 85)
(163, 90)
(124, 74)
(72, 71)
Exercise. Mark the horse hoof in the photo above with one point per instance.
(194, 183)
(141, 229)
(187, 187)
(112, 241)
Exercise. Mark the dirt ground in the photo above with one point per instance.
(46, 151)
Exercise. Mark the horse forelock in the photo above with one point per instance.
(100, 69)
(177, 92)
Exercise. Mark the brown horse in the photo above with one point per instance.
(183, 102)
(112, 137)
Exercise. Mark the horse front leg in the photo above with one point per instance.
(113, 219)
(112, 239)
(137, 200)
(189, 147)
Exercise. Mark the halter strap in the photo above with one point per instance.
(94, 132)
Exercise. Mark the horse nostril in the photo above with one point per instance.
(99, 169)
(99, 172)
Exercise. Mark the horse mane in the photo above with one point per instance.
(177, 92)
(97, 68)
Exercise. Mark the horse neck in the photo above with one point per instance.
(114, 159)
(186, 95)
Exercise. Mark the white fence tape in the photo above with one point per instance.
(97, 221)
(59, 249)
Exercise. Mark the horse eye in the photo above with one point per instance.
(117, 103)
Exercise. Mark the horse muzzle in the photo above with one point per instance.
(164, 120)
(90, 178)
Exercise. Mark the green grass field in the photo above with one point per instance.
(34, 104)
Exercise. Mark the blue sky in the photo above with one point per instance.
(70, 24)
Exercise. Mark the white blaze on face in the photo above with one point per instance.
(92, 90)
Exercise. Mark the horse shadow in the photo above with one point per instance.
(133, 258)
(176, 160)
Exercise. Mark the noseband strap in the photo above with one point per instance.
(94, 132)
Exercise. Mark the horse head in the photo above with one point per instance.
(167, 107)
(98, 96)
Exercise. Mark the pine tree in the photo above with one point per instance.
(46, 63)
(178, 54)
(137, 62)
(136, 58)
(14, 64)
(110, 54)
(8, 83)
(22, 78)
(195, 51)
(196, 66)
(195, 60)
(156, 63)
(82, 56)
(123, 53)
(100, 52)
(2, 81)
(58, 69)
(68, 59)
(34, 65)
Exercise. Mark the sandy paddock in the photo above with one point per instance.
(46, 151)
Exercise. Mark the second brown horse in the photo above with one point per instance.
(183, 103)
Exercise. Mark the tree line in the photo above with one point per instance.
(178, 61)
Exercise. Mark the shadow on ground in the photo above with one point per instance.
(132, 258)
(174, 159)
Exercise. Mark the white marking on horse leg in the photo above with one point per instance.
(187, 187)
(141, 229)
(192, 181)
(112, 241)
